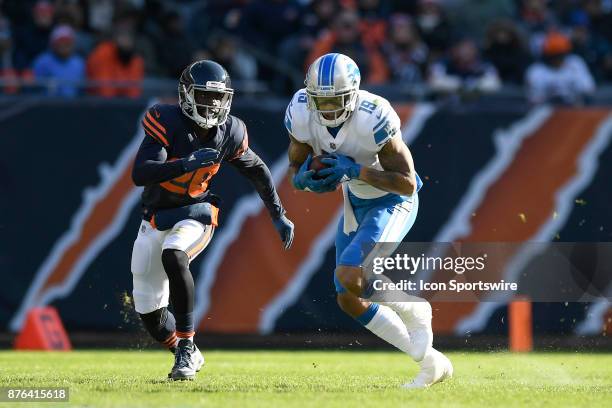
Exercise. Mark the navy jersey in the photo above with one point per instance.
(170, 136)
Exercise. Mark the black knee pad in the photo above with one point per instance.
(159, 323)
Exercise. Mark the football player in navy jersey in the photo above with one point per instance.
(183, 149)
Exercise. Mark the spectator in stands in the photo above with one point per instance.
(32, 38)
(173, 46)
(464, 71)
(100, 15)
(374, 15)
(405, 6)
(72, 14)
(318, 17)
(347, 39)
(561, 77)
(225, 50)
(472, 17)
(536, 20)
(315, 21)
(405, 52)
(59, 67)
(214, 16)
(114, 62)
(505, 49)
(129, 20)
(265, 23)
(600, 18)
(592, 41)
(433, 27)
(8, 73)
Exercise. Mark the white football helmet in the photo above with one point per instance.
(332, 82)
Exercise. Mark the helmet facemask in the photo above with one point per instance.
(208, 105)
(332, 109)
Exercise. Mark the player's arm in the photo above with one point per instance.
(298, 153)
(250, 165)
(398, 175)
(300, 174)
(151, 167)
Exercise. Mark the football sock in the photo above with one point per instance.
(386, 324)
(161, 326)
(416, 316)
(184, 326)
(176, 265)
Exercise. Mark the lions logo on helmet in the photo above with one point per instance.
(205, 93)
(332, 82)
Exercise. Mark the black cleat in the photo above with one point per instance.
(187, 361)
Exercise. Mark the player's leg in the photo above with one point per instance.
(379, 319)
(415, 312)
(150, 282)
(176, 265)
(182, 244)
(391, 224)
(161, 326)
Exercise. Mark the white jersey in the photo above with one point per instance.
(361, 137)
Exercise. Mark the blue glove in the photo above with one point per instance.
(284, 226)
(341, 168)
(302, 180)
(200, 158)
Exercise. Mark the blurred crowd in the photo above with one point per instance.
(557, 50)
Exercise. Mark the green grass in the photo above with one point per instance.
(340, 379)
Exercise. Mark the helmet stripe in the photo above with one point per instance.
(326, 69)
(320, 71)
(333, 69)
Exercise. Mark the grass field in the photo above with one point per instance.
(339, 379)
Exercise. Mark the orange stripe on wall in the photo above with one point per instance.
(256, 269)
(98, 220)
(544, 164)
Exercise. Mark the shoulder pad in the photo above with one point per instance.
(296, 115)
(157, 120)
(239, 137)
(377, 118)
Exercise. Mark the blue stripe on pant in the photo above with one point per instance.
(384, 219)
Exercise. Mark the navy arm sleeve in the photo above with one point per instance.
(150, 166)
(250, 165)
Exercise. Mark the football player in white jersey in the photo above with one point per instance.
(361, 133)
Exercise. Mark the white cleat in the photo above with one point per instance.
(435, 368)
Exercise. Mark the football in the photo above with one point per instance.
(316, 164)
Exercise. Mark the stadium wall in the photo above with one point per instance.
(71, 213)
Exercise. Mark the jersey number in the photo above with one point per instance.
(194, 183)
(367, 106)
